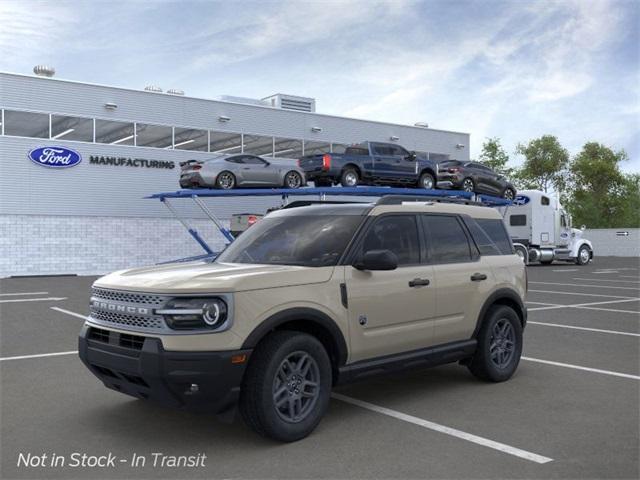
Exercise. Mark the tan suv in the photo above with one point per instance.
(308, 298)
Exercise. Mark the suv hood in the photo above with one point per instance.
(201, 277)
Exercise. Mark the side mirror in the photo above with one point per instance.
(412, 156)
(583, 228)
(377, 260)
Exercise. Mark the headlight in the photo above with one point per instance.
(195, 313)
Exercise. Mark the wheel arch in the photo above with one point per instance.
(306, 320)
(430, 171)
(354, 166)
(506, 297)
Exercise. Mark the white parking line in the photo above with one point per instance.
(580, 294)
(586, 305)
(485, 442)
(48, 299)
(604, 280)
(628, 276)
(540, 303)
(567, 270)
(605, 272)
(23, 357)
(579, 367)
(610, 310)
(23, 293)
(572, 327)
(73, 314)
(587, 286)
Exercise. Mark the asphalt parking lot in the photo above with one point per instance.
(571, 410)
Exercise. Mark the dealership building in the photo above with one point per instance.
(92, 217)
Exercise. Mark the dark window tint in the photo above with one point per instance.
(356, 151)
(396, 233)
(518, 220)
(544, 200)
(447, 239)
(497, 233)
(382, 150)
(253, 160)
(235, 160)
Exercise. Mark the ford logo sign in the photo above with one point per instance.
(521, 200)
(55, 157)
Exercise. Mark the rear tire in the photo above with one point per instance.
(468, 185)
(225, 180)
(349, 178)
(287, 386)
(427, 181)
(499, 345)
(508, 194)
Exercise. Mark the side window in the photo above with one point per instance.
(235, 160)
(518, 220)
(544, 201)
(448, 241)
(399, 151)
(398, 233)
(497, 233)
(563, 220)
(251, 160)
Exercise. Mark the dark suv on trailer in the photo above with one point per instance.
(474, 177)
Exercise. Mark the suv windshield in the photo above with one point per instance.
(311, 241)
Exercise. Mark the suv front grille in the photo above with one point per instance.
(131, 341)
(128, 320)
(99, 335)
(126, 297)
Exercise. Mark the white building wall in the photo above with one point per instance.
(50, 245)
(608, 242)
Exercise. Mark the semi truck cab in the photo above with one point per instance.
(542, 231)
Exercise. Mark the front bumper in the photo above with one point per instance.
(139, 366)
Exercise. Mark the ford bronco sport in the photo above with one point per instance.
(309, 298)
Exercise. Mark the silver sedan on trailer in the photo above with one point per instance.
(241, 170)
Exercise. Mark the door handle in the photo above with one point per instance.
(246, 168)
(419, 282)
(478, 277)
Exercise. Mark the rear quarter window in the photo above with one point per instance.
(518, 220)
(356, 151)
(490, 236)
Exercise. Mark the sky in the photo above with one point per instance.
(514, 70)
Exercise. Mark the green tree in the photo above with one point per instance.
(544, 165)
(600, 195)
(494, 156)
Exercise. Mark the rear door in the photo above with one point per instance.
(462, 278)
(390, 311)
(383, 160)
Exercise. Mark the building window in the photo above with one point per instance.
(114, 133)
(314, 148)
(26, 124)
(157, 136)
(71, 128)
(287, 148)
(225, 142)
(190, 139)
(258, 145)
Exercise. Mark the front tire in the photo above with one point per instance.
(287, 386)
(584, 255)
(225, 180)
(499, 345)
(427, 181)
(508, 194)
(293, 180)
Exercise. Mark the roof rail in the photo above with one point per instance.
(399, 199)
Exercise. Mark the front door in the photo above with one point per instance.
(257, 171)
(390, 311)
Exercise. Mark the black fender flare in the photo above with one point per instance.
(305, 314)
(499, 296)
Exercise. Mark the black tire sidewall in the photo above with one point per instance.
(344, 174)
(218, 180)
(482, 359)
(421, 181)
(275, 426)
(294, 173)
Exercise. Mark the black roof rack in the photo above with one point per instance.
(398, 199)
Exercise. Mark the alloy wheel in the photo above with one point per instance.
(226, 181)
(293, 180)
(427, 182)
(502, 344)
(467, 185)
(296, 387)
(351, 179)
(508, 194)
